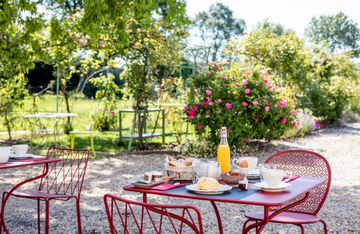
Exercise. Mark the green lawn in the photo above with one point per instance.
(104, 141)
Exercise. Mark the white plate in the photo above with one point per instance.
(222, 189)
(279, 188)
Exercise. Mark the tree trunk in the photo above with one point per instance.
(7, 123)
(66, 96)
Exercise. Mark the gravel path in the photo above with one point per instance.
(341, 146)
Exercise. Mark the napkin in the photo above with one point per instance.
(294, 177)
(166, 186)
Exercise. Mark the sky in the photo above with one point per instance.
(294, 14)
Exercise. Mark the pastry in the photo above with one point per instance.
(171, 159)
(189, 161)
(206, 183)
(176, 164)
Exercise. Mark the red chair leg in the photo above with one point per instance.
(39, 214)
(325, 227)
(245, 224)
(301, 227)
(2, 202)
(78, 215)
(47, 214)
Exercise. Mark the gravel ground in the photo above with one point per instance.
(341, 146)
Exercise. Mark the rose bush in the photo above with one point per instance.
(245, 100)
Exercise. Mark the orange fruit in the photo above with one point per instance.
(244, 164)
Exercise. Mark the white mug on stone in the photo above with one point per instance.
(274, 177)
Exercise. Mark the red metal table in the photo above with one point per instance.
(24, 163)
(253, 196)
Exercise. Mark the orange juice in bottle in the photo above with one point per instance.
(223, 153)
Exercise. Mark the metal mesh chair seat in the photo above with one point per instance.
(286, 217)
(302, 163)
(127, 216)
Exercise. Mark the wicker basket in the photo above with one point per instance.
(181, 174)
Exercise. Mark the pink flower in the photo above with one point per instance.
(195, 107)
(208, 92)
(292, 112)
(296, 127)
(208, 72)
(298, 123)
(294, 123)
(204, 103)
(255, 103)
(68, 31)
(219, 101)
(223, 77)
(266, 103)
(191, 117)
(267, 108)
(247, 91)
(104, 95)
(101, 43)
(244, 139)
(298, 111)
(245, 82)
(262, 68)
(87, 37)
(199, 127)
(207, 112)
(211, 103)
(68, 17)
(266, 81)
(191, 112)
(244, 104)
(283, 120)
(186, 108)
(275, 105)
(207, 98)
(197, 71)
(236, 84)
(72, 68)
(247, 73)
(112, 113)
(228, 105)
(216, 67)
(200, 66)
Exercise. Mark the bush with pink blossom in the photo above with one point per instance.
(245, 100)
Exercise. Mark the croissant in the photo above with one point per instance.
(176, 164)
(206, 183)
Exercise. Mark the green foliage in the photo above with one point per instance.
(215, 28)
(337, 30)
(105, 118)
(245, 100)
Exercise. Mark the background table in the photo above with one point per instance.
(254, 196)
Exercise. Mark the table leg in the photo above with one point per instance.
(218, 217)
(259, 225)
(45, 171)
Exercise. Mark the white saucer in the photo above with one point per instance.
(222, 189)
(20, 156)
(279, 188)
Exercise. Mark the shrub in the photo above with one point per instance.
(246, 101)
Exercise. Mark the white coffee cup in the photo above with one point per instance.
(274, 177)
(20, 150)
(4, 154)
(252, 162)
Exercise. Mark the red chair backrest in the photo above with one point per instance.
(127, 216)
(309, 164)
(67, 176)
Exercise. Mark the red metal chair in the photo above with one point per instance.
(302, 163)
(63, 181)
(128, 216)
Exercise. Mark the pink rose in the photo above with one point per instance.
(244, 104)
(186, 108)
(245, 82)
(247, 73)
(275, 105)
(266, 103)
(292, 112)
(197, 71)
(208, 72)
(204, 103)
(208, 92)
(191, 117)
(247, 91)
(267, 108)
(244, 139)
(207, 112)
(200, 66)
(195, 107)
(199, 127)
(228, 105)
(255, 103)
(283, 120)
(68, 31)
(211, 103)
(236, 85)
(223, 77)
(191, 112)
(112, 112)
(219, 101)
(298, 111)
(101, 43)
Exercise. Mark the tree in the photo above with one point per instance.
(338, 31)
(274, 28)
(215, 28)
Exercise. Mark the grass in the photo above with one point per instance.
(106, 141)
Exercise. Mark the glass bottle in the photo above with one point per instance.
(223, 153)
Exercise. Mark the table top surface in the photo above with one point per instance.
(49, 115)
(254, 195)
(23, 163)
